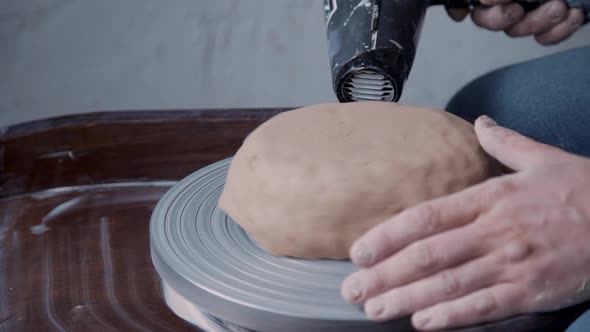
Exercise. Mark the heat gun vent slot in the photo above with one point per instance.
(368, 86)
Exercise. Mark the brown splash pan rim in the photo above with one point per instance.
(141, 115)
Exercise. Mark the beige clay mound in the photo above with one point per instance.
(308, 182)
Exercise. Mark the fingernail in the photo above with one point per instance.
(361, 255)
(436, 322)
(512, 14)
(555, 12)
(351, 290)
(487, 122)
(421, 320)
(375, 309)
(576, 20)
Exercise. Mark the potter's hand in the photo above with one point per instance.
(550, 23)
(514, 244)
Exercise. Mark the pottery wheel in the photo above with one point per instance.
(211, 270)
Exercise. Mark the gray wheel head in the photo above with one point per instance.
(207, 258)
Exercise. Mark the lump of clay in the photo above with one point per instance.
(308, 182)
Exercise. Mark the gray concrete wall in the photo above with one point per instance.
(71, 56)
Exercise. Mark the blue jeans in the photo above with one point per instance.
(547, 99)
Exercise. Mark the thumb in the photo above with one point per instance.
(513, 149)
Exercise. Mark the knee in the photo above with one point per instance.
(487, 95)
(555, 81)
(544, 86)
(546, 99)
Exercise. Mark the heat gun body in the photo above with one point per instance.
(372, 43)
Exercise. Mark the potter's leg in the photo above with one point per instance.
(547, 99)
(582, 324)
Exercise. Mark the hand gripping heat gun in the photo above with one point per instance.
(372, 43)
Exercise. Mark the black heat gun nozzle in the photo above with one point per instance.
(372, 44)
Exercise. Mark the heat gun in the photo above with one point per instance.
(372, 43)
